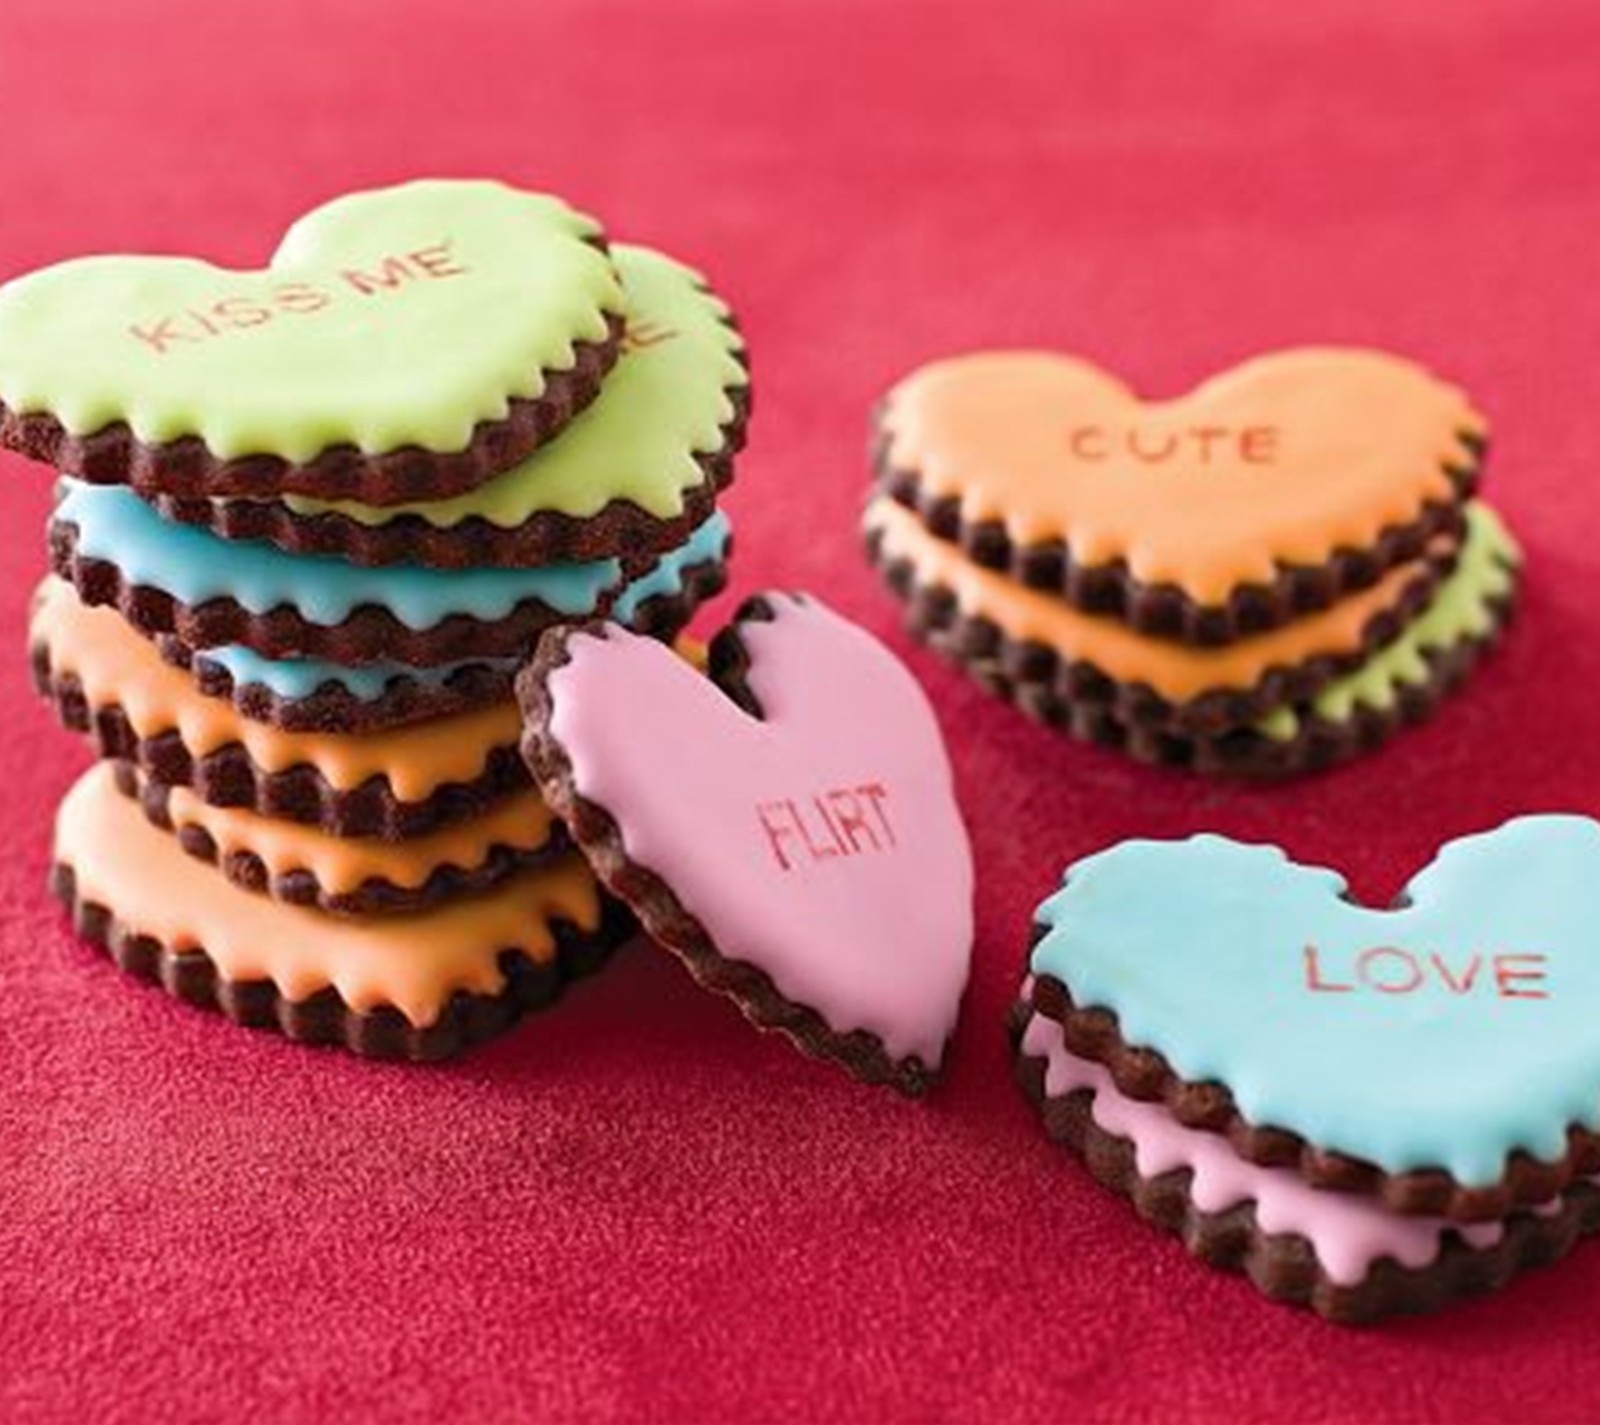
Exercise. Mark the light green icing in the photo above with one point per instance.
(664, 401)
(417, 362)
(1461, 609)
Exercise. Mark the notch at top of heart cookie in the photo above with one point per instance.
(786, 826)
(1269, 490)
(405, 343)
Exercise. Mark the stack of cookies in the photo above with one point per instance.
(1368, 1111)
(310, 520)
(1267, 576)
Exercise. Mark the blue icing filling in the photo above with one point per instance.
(194, 565)
(708, 542)
(301, 677)
(1444, 1033)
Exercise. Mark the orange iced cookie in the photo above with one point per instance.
(355, 875)
(1267, 492)
(421, 985)
(1015, 637)
(105, 680)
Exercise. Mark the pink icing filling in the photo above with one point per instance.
(870, 923)
(1347, 1232)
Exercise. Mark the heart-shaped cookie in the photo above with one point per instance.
(788, 827)
(1440, 1054)
(1268, 491)
(402, 344)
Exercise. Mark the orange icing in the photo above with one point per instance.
(117, 665)
(414, 962)
(1358, 441)
(343, 863)
(1177, 671)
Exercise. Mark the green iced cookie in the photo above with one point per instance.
(632, 474)
(406, 342)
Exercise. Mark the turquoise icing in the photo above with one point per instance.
(301, 677)
(194, 565)
(708, 542)
(1199, 947)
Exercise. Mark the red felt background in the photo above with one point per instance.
(637, 1208)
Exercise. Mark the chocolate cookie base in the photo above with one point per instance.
(372, 633)
(332, 708)
(1165, 610)
(1319, 744)
(382, 1033)
(1284, 1266)
(1144, 1073)
(228, 776)
(113, 455)
(1045, 683)
(548, 537)
(660, 912)
(300, 886)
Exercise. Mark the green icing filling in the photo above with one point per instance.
(665, 400)
(395, 317)
(1460, 610)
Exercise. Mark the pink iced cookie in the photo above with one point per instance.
(788, 827)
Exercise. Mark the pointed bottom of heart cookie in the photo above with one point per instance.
(786, 826)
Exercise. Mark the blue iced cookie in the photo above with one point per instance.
(1439, 1055)
(318, 694)
(169, 578)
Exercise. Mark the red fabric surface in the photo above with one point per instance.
(636, 1207)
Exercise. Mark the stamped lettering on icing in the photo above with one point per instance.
(1193, 446)
(839, 822)
(1391, 970)
(389, 273)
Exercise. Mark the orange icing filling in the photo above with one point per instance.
(1175, 670)
(414, 962)
(117, 665)
(343, 863)
(1283, 459)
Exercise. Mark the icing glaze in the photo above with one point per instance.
(664, 402)
(707, 544)
(116, 665)
(402, 316)
(194, 565)
(1359, 440)
(414, 962)
(868, 922)
(1178, 671)
(1347, 1232)
(1461, 609)
(1446, 1033)
(344, 863)
(297, 678)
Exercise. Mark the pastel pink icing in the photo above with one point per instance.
(1347, 1232)
(878, 935)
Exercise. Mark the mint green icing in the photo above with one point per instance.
(194, 565)
(665, 401)
(1461, 609)
(1198, 947)
(491, 288)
